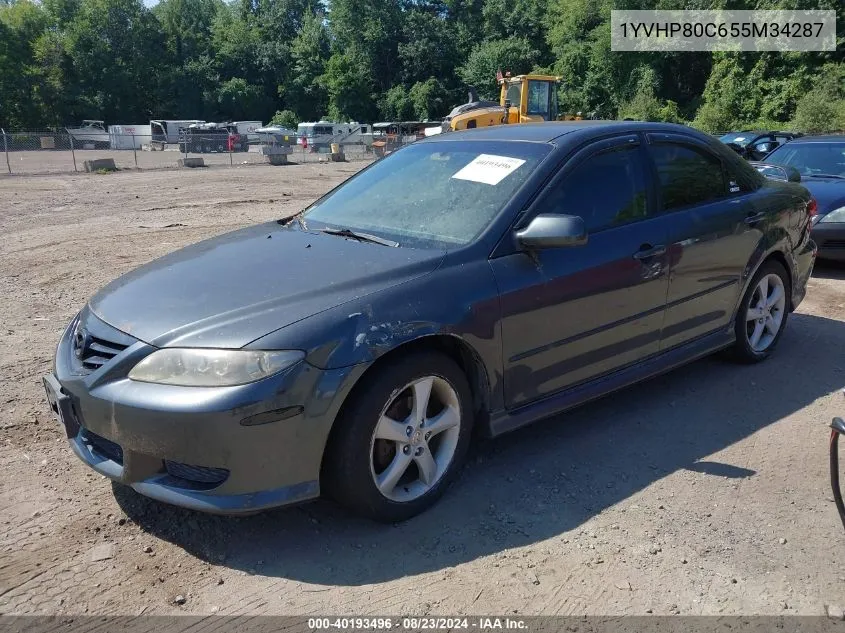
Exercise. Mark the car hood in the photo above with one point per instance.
(230, 290)
(828, 192)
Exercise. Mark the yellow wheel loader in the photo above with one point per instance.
(522, 99)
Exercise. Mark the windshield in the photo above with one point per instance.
(811, 158)
(740, 138)
(430, 195)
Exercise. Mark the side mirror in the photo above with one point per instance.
(786, 173)
(549, 230)
(792, 174)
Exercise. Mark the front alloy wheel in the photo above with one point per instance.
(415, 439)
(401, 438)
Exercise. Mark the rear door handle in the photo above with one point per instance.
(755, 218)
(647, 252)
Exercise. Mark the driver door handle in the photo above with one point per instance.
(647, 251)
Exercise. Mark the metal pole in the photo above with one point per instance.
(135, 150)
(72, 153)
(6, 150)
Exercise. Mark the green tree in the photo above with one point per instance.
(239, 100)
(350, 88)
(117, 51)
(366, 32)
(285, 119)
(396, 104)
(822, 109)
(429, 48)
(513, 54)
(429, 99)
(21, 26)
(304, 92)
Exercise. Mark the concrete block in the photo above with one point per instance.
(270, 150)
(100, 164)
(338, 157)
(277, 159)
(191, 162)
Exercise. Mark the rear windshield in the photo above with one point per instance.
(739, 138)
(432, 194)
(811, 158)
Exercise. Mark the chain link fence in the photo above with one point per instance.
(56, 152)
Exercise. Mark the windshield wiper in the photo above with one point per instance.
(826, 176)
(361, 237)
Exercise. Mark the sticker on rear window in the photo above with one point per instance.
(489, 169)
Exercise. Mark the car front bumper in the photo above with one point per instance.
(830, 236)
(227, 450)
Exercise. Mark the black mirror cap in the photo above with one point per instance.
(793, 174)
(549, 230)
(838, 425)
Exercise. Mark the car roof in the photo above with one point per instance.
(553, 131)
(822, 138)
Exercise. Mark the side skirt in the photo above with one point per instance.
(503, 421)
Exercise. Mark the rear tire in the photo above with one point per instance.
(389, 458)
(762, 314)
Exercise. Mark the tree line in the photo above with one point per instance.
(365, 60)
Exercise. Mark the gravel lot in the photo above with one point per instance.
(45, 162)
(704, 491)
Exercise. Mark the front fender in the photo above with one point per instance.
(459, 300)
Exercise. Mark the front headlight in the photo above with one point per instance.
(837, 215)
(212, 367)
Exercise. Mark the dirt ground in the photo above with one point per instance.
(704, 491)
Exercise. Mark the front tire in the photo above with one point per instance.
(762, 314)
(402, 439)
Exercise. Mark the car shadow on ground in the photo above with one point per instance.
(825, 269)
(535, 483)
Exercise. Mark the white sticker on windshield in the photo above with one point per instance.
(489, 169)
(739, 139)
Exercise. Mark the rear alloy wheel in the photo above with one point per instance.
(762, 315)
(402, 438)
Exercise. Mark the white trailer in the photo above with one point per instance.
(248, 128)
(130, 136)
(321, 134)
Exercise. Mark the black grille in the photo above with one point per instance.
(202, 477)
(103, 447)
(99, 351)
(834, 244)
